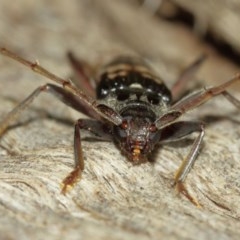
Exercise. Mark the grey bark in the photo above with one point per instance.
(114, 200)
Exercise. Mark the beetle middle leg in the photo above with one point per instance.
(198, 98)
(188, 103)
(60, 93)
(95, 127)
(99, 130)
(86, 101)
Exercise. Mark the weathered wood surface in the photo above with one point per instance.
(114, 200)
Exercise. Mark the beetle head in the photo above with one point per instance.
(137, 137)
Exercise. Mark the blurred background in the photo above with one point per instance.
(171, 33)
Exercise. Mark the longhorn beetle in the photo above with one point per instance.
(129, 104)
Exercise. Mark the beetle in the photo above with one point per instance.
(129, 104)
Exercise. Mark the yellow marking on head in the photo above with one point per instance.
(135, 153)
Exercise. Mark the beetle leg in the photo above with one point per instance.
(178, 130)
(187, 164)
(71, 100)
(190, 102)
(73, 176)
(83, 75)
(103, 111)
(95, 127)
(175, 132)
(167, 119)
(179, 86)
(57, 91)
(198, 98)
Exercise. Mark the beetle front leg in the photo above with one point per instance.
(187, 164)
(175, 132)
(186, 104)
(99, 130)
(73, 176)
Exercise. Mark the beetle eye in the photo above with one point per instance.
(124, 124)
(153, 128)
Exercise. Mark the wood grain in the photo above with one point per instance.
(114, 200)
